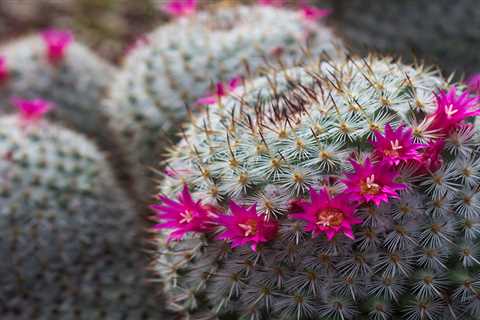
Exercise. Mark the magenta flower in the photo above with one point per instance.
(473, 84)
(431, 157)
(311, 13)
(271, 3)
(452, 110)
(373, 183)
(173, 173)
(396, 146)
(182, 216)
(32, 110)
(57, 42)
(3, 69)
(139, 42)
(328, 215)
(246, 226)
(222, 90)
(179, 8)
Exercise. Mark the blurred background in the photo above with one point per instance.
(443, 32)
(106, 25)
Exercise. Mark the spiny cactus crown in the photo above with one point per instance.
(67, 232)
(343, 190)
(184, 58)
(53, 66)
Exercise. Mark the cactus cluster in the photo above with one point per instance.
(346, 189)
(68, 234)
(179, 63)
(53, 66)
(444, 32)
(307, 183)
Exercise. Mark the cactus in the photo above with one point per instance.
(341, 190)
(181, 60)
(442, 32)
(68, 234)
(53, 66)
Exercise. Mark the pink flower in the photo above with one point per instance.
(396, 146)
(32, 110)
(431, 157)
(372, 182)
(452, 110)
(139, 42)
(473, 84)
(222, 90)
(311, 13)
(178, 8)
(57, 42)
(182, 216)
(3, 69)
(174, 173)
(329, 215)
(271, 3)
(246, 226)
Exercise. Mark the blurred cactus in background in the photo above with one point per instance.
(443, 32)
(69, 239)
(341, 190)
(105, 25)
(54, 66)
(177, 66)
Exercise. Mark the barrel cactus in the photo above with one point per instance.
(340, 190)
(443, 32)
(179, 63)
(69, 236)
(54, 66)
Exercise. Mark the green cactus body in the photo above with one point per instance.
(76, 83)
(414, 256)
(186, 57)
(69, 235)
(442, 32)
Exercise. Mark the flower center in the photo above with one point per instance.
(330, 217)
(395, 149)
(187, 216)
(368, 186)
(450, 111)
(250, 227)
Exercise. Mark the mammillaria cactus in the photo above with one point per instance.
(54, 66)
(182, 59)
(413, 28)
(341, 190)
(68, 234)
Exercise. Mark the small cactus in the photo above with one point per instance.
(68, 234)
(178, 63)
(54, 66)
(341, 190)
